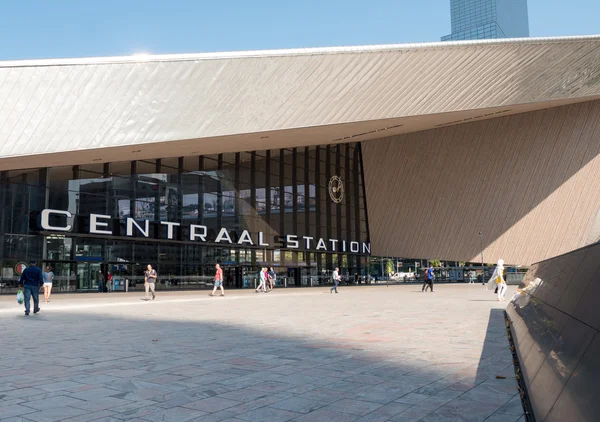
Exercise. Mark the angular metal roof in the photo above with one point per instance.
(78, 105)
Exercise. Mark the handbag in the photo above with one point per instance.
(20, 297)
(496, 291)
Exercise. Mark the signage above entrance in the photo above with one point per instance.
(100, 224)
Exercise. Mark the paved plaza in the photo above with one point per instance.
(372, 353)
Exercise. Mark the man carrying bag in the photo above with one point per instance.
(32, 279)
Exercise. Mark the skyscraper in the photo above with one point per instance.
(480, 19)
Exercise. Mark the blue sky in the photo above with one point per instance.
(83, 28)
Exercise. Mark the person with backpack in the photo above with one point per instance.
(429, 277)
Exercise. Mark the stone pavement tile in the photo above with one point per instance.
(285, 370)
(258, 403)
(365, 379)
(349, 386)
(249, 380)
(372, 417)
(179, 414)
(385, 392)
(272, 386)
(462, 386)
(20, 393)
(58, 413)
(94, 379)
(462, 410)
(244, 394)
(133, 405)
(88, 417)
(322, 373)
(513, 407)
(299, 404)
(508, 386)
(137, 412)
(497, 417)
(53, 402)
(323, 415)
(268, 414)
(217, 417)
(389, 410)
(60, 385)
(95, 393)
(412, 398)
(100, 403)
(166, 379)
(326, 395)
(175, 399)
(380, 396)
(301, 389)
(10, 402)
(301, 379)
(15, 410)
(139, 394)
(489, 394)
(212, 404)
(355, 407)
(415, 412)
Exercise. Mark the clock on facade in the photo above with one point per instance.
(336, 189)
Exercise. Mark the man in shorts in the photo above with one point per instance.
(150, 277)
(218, 280)
(272, 278)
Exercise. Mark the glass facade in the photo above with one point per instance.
(300, 210)
(484, 19)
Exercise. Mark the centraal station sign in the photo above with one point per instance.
(101, 224)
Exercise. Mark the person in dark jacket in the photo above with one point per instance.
(32, 279)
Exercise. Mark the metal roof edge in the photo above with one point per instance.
(141, 58)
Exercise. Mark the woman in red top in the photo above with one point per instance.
(218, 280)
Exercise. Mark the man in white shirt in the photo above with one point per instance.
(150, 277)
(336, 279)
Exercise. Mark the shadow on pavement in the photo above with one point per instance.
(157, 363)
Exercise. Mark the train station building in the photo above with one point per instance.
(302, 160)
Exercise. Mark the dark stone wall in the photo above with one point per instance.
(555, 322)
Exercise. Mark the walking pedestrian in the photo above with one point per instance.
(48, 277)
(262, 275)
(31, 279)
(109, 282)
(471, 277)
(336, 280)
(429, 278)
(272, 278)
(150, 276)
(218, 280)
(100, 280)
(497, 280)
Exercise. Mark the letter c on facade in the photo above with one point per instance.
(46, 220)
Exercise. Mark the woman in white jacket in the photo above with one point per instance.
(497, 280)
